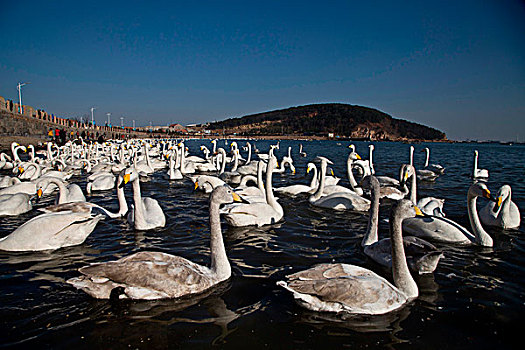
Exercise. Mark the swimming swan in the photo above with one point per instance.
(258, 213)
(337, 200)
(51, 231)
(503, 213)
(146, 213)
(156, 275)
(445, 230)
(422, 257)
(353, 289)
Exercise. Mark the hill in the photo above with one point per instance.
(342, 120)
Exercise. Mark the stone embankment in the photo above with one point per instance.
(32, 126)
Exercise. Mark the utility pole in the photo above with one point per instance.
(109, 118)
(19, 88)
(121, 122)
(133, 124)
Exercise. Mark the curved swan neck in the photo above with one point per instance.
(371, 235)
(481, 236)
(314, 182)
(137, 200)
(351, 179)
(270, 199)
(223, 164)
(400, 272)
(413, 188)
(249, 153)
(122, 204)
(320, 187)
(219, 260)
(260, 184)
(427, 159)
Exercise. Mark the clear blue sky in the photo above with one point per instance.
(458, 66)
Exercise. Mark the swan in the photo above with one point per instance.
(337, 200)
(436, 168)
(423, 174)
(294, 190)
(354, 289)
(301, 152)
(503, 213)
(422, 257)
(428, 205)
(445, 230)
(101, 181)
(66, 194)
(15, 204)
(146, 213)
(480, 174)
(258, 213)
(256, 193)
(173, 171)
(87, 207)
(156, 275)
(51, 231)
(365, 167)
(231, 176)
(6, 181)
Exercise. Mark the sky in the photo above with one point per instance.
(458, 66)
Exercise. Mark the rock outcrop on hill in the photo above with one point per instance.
(341, 120)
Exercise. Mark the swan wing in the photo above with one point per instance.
(145, 275)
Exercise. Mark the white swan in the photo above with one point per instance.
(436, 168)
(258, 213)
(87, 207)
(301, 152)
(146, 213)
(445, 230)
(66, 194)
(480, 174)
(294, 190)
(101, 181)
(337, 200)
(353, 289)
(422, 257)
(156, 275)
(503, 213)
(51, 231)
(15, 204)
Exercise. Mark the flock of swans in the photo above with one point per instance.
(244, 196)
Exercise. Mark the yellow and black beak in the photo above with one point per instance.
(39, 194)
(498, 201)
(20, 170)
(418, 211)
(236, 197)
(126, 178)
(486, 194)
(196, 185)
(358, 156)
(332, 172)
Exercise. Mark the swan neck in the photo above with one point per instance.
(137, 200)
(413, 189)
(481, 236)
(371, 235)
(401, 274)
(351, 179)
(260, 184)
(314, 182)
(427, 159)
(320, 187)
(219, 260)
(122, 204)
(270, 199)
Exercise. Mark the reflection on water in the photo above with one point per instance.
(475, 298)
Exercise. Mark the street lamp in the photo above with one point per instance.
(92, 118)
(109, 118)
(19, 88)
(121, 122)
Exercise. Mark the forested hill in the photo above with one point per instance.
(342, 120)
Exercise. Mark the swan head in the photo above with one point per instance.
(404, 209)
(503, 193)
(224, 195)
(479, 189)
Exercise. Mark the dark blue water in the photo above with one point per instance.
(475, 299)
